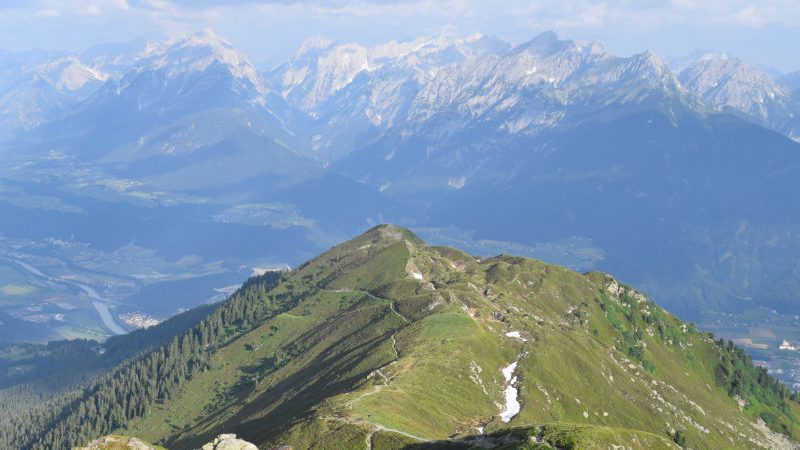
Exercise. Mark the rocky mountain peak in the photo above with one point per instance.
(543, 43)
(725, 82)
(313, 45)
(196, 53)
(69, 74)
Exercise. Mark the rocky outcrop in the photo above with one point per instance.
(229, 442)
(221, 442)
(117, 443)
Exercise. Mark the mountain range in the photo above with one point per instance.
(525, 88)
(191, 165)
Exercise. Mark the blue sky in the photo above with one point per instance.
(766, 32)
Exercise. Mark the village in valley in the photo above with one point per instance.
(772, 339)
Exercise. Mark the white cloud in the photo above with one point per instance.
(270, 30)
(47, 12)
(66, 8)
(655, 14)
(94, 10)
(750, 16)
(121, 4)
(639, 14)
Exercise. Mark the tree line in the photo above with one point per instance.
(133, 387)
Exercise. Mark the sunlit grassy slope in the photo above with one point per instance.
(394, 344)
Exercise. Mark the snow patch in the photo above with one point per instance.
(512, 407)
(416, 275)
(508, 371)
(516, 335)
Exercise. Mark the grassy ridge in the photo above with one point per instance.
(383, 342)
(404, 344)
